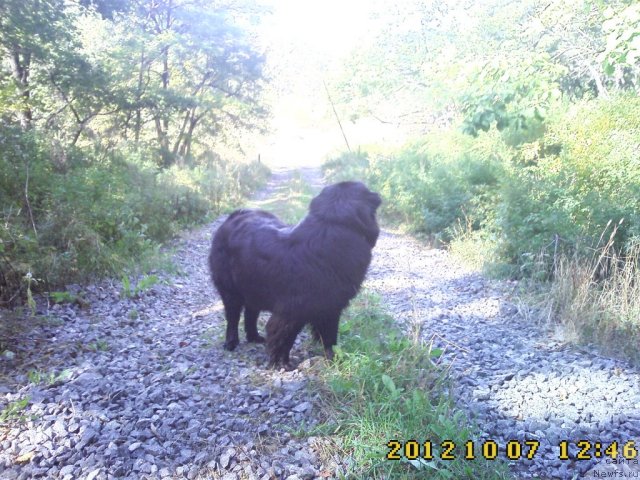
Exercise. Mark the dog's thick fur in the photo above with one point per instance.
(302, 274)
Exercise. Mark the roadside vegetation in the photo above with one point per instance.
(386, 396)
(528, 164)
(117, 120)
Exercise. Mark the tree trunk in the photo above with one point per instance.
(138, 97)
(163, 141)
(20, 72)
(602, 91)
(186, 146)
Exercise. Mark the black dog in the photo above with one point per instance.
(302, 274)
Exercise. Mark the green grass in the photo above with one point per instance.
(597, 301)
(384, 386)
(145, 283)
(347, 166)
(38, 377)
(14, 410)
(97, 346)
(63, 297)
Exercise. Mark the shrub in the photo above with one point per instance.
(437, 183)
(560, 203)
(347, 166)
(85, 216)
(569, 197)
(607, 312)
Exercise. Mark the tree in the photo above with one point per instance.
(31, 33)
(195, 69)
(621, 57)
(494, 63)
(160, 71)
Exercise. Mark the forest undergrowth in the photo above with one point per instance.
(119, 126)
(69, 220)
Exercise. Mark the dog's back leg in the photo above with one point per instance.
(251, 325)
(281, 334)
(325, 329)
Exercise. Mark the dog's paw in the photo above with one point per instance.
(279, 365)
(255, 339)
(288, 367)
(230, 345)
(328, 353)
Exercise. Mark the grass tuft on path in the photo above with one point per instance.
(384, 390)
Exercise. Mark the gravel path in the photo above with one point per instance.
(513, 377)
(143, 388)
(140, 387)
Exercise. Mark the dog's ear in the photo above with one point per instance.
(350, 204)
(366, 213)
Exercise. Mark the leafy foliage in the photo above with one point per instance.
(493, 63)
(544, 183)
(623, 43)
(93, 218)
(549, 158)
(559, 193)
(163, 75)
(572, 196)
(14, 410)
(432, 185)
(519, 96)
(111, 112)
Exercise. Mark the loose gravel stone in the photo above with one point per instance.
(143, 388)
(150, 394)
(516, 378)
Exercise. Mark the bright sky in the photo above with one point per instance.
(331, 27)
(304, 40)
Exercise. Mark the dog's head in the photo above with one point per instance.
(350, 204)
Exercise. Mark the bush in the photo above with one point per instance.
(85, 216)
(526, 198)
(561, 204)
(347, 166)
(570, 198)
(436, 184)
